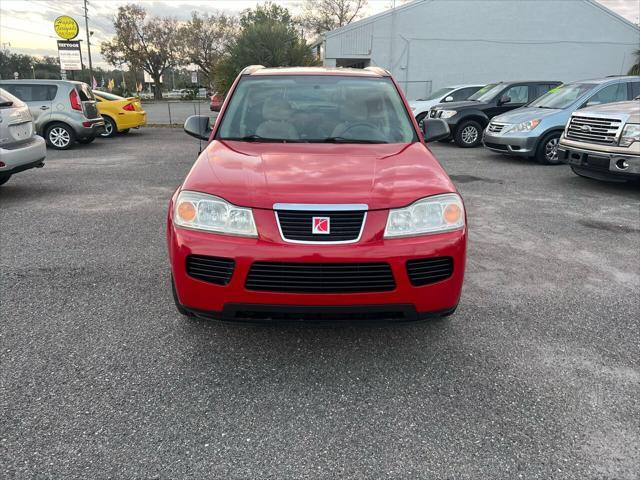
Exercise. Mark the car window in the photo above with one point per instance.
(562, 96)
(32, 93)
(317, 108)
(7, 100)
(464, 93)
(438, 94)
(85, 92)
(611, 93)
(487, 93)
(518, 94)
(634, 90)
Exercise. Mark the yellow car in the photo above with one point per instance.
(119, 113)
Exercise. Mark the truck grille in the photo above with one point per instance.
(320, 277)
(210, 269)
(496, 127)
(593, 129)
(297, 225)
(429, 270)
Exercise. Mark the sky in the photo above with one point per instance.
(26, 26)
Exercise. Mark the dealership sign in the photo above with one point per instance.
(69, 53)
(66, 27)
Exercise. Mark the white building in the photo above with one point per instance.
(428, 44)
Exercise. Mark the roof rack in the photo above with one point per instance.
(250, 69)
(379, 71)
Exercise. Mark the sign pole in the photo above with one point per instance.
(86, 25)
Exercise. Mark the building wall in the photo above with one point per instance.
(428, 44)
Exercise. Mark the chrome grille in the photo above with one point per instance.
(345, 222)
(496, 127)
(594, 129)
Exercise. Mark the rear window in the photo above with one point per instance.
(85, 92)
(32, 93)
(8, 101)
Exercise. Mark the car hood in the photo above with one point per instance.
(259, 175)
(524, 114)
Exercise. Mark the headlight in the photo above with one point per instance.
(213, 214)
(448, 113)
(524, 126)
(630, 134)
(440, 213)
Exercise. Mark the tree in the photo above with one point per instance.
(203, 40)
(635, 69)
(150, 44)
(323, 15)
(268, 36)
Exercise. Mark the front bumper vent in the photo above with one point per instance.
(215, 270)
(320, 277)
(429, 270)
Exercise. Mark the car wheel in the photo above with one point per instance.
(60, 136)
(179, 307)
(110, 128)
(86, 140)
(4, 179)
(547, 153)
(468, 134)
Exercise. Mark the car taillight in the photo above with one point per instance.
(75, 100)
(129, 107)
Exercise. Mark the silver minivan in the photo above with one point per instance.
(534, 130)
(64, 112)
(20, 148)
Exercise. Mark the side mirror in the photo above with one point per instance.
(198, 126)
(448, 99)
(435, 129)
(504, 99)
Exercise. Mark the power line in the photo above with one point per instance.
(28, 31)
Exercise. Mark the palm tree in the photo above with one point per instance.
(635, 69)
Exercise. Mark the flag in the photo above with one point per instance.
(94, 84)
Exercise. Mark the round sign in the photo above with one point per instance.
(66, 27)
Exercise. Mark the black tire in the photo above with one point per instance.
(4, 179)
(547, 152)
(468, 134)
(110, 128)
(60, 136)
(124, 132)
(86, 140)
(179, 307)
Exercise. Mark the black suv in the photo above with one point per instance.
(469, 118)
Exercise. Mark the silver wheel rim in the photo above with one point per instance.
(551, 150)
(108, 129)
(469, 134)
(59, 137)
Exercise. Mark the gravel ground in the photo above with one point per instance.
(536, 376)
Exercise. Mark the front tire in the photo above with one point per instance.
(547, 153)
(468, 134)
(110, 128)
(4, 179)
(60, 136)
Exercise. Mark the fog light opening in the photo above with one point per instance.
(622, 164)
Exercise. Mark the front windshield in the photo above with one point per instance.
(437, 95)
(486, 93)
(316, 109)
(562, 96)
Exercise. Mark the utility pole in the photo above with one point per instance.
(86, 25)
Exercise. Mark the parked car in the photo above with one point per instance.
(456, 93)
(468, 119)
(120, 114)
(534, 131)
(603, 142)
(295, 213)
(216, 102)
(20, 147)
(63, 111)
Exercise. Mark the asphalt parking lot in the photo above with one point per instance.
(536, 376)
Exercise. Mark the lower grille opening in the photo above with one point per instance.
(320, 277)
(217, 270)
(320, 316)
(496, 146)
(429, 270)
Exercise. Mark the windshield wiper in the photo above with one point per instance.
(258, 138)
(344, 140)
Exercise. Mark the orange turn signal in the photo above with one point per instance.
(187, 211)
(452, 213)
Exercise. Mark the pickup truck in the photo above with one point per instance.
(603, 142)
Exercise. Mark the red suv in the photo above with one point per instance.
(316, 198)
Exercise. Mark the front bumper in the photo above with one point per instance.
(25, 156)
(512, 144)
(218, 301)
(610, 164)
